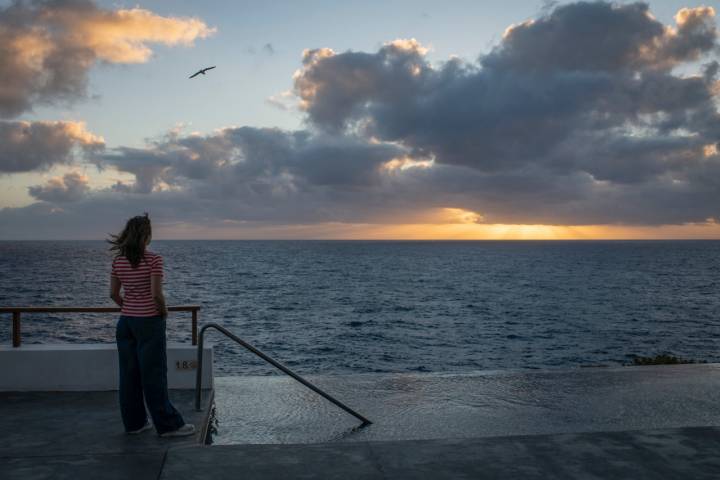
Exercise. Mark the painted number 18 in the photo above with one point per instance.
(185, 364)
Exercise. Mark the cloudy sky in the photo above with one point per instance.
(508, 119)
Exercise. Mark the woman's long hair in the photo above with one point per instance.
(132, 240)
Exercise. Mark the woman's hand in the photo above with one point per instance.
(157, 293)
(115, 291)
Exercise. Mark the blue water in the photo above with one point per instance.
(329, 307)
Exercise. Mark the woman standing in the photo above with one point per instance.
(140, 333)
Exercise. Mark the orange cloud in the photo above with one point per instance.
(70, 187)
(686, 16)
(121, 36)
(408, 45)
(47, 47)
(694, 30)
(403, 163)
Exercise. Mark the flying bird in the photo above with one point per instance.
(201, 71)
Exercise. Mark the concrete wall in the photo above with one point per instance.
(89, 367)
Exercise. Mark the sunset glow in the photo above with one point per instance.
(451, 231)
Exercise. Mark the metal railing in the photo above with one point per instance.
(16, 311)
(231, 336)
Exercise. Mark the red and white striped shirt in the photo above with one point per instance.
(135, 282)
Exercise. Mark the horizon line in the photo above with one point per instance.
(457, 240)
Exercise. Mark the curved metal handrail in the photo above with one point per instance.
(230, 335)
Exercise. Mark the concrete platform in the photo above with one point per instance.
(89, 367)
(685, 453)
(79, 435)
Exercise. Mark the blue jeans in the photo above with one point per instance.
(143, 374)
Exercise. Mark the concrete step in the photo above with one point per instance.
(683, 453)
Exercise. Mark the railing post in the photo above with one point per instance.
(198, 372)
(194, 326)
(16, 329)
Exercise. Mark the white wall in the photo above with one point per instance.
(89, 367)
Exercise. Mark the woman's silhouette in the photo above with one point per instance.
(140, 333)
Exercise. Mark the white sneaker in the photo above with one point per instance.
(144, 428)
(184, 431)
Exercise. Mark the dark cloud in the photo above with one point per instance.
(334, 88)
(253, 159)
(69, 188)
(601, 36)
(582, 68)
(26, 146)
(47, 47)
(584, 94)
(696, 33)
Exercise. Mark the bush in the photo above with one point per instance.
(663, 359)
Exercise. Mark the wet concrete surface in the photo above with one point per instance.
(626, 423)
(481, 404)
(133, 466)
(686, 453)
(80, 435)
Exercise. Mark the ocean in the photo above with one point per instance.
(338, 307)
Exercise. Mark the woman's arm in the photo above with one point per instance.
(157, 294)
(115, 291)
